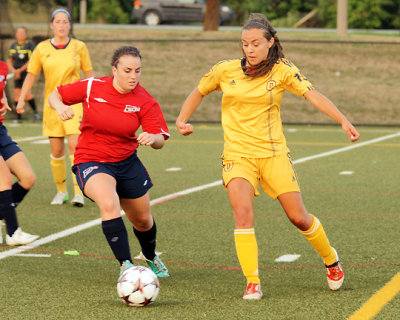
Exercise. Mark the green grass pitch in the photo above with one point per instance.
(359, 211)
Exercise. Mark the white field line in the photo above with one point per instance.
(29, 139)
(171, 196)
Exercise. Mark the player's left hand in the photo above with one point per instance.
(351, 131)
(4, 107)
(145, 139)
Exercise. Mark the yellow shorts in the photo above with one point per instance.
(53, 126)
(275, 174)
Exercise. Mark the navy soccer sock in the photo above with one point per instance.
(117, 238)
(147, 240)
(7, 211)
(32, 103)
(18, 193)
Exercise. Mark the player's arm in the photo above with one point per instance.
(26, 87)
(10, 65)
(326, 106)
(64, 112)
(189, 106)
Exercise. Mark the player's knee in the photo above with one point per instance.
(28, 181)
(243, 217)
(6, 181)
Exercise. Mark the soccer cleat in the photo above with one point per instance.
(157, 266)
(334, 274)
(60, 198)
(1, 235)
(253, 291)
(19, 238)
(78, 201)
(125, 266)
(36, 117)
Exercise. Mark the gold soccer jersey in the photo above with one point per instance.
(60, 66)
(251, 106)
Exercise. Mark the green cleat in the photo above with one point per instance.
(125, 266)
(157, 266)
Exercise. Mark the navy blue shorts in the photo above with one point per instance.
(133, 181)
(8, 147)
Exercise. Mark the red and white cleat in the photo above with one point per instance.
(253, 292)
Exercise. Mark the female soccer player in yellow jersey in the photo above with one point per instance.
(62, 58)
(255, 148)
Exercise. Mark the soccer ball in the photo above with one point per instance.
(138, 286)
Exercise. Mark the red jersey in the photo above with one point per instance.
(111, 119)
(3, 79)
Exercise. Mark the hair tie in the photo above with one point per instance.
(60, 10)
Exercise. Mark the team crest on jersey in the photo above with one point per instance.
(131, 109)
(228, 166)
(87, 171)
(271, 84)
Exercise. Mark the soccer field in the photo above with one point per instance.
(352, 188)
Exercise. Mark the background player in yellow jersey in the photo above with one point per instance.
(18, 59)
(62, 58)
(255, 148)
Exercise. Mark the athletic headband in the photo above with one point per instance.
(124, 54)
(60, 10)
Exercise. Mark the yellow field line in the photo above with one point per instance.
(371, 308)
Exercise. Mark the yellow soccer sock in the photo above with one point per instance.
(247, 252)
(318, 239)
(77, 190)
(59, 173)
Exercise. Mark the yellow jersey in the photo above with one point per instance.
(60, 66)
(251, 106)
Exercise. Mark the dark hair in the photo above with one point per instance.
(60, 10)
(259, 21)
(21, 27)
(124, 51)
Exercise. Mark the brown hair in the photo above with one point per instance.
(259, 21)
(124, 51)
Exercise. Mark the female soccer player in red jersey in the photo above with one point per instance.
(12, 161)
(106, 164)
(61, 58)
(255, 148)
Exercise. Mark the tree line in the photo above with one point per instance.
(363, 14)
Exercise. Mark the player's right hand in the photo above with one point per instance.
(65, 112)
(20, 107)
(4, 107)
(184, 128)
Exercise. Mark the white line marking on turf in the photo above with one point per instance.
(287, 258)
(346, 172)
(173, 169)
(95, 222)
(33, 255)
(29, 139)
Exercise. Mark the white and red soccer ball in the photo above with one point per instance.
(138, 286)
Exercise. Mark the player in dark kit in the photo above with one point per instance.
(106, 165)
(18, 59)
(12, 161)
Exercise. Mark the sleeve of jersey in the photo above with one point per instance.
(73, 93)
(294, 81)
(35, 64)
(210, 81)
(85, 59)
(152, 121)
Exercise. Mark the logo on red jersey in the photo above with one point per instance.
(131, 109)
